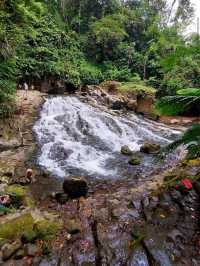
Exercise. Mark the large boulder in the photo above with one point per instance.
(75, 187)
(150, 148)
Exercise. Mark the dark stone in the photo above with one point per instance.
(75, 187)
(62, 198)
(118, 105)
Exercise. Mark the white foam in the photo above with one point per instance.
(91, 136)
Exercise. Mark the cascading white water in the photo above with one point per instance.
(76, 138)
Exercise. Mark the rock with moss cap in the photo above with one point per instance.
(125, 150)
(150, 148)
(134, 160)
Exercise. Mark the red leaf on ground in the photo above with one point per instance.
(186, 182)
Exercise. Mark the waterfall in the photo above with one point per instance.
(77, 139)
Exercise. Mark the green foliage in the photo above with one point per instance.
(189, 92)
(105, 36)
(186, 100)
(89, 41)
(191, 139)
(137, 87)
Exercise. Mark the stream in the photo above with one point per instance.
(117, 223)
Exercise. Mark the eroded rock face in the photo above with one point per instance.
(75, 187)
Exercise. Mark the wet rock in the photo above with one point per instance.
(73, 226)
(134, 160)
(158, 255)
(153, 202)
(9, 145)
(75, 187)
(174, 235)
(9, 249)
(137, 204)
(150, 148)
(176, 195)
(145, 202)
(197, 187)
(138, 258)
(118, 105)
(31, 250)
(125, 150)
(62, 198)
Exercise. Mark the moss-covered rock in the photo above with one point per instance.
(125, 150)
(27, 228)
(150, 148)
(134, 160)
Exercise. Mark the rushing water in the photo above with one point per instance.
(77, 139)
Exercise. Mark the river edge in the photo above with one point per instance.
(113, 224)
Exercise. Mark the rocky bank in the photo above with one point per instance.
(133, 222)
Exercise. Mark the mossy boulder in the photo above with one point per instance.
(14, 228)
(17, 193)
(150, 148)
(134, 160)
(125, 150)
(28, 228)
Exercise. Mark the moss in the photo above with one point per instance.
(193, 162)
(46, 230)
(18, 190)
(25, 225)
(138, 88)
(16, 227)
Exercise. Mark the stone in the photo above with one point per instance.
(9, 249)
(19, 254)
(73, 226)
(31, 250)
(125, 150)
(134, 161)
(150, 148)
(75, 187)
(62, 198)
(118, 105)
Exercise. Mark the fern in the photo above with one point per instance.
(191, 139)
(184, 101)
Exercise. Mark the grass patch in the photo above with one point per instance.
(137, 87)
